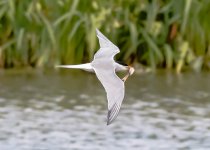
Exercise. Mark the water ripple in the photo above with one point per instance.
(43, 117)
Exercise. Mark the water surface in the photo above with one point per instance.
(67, 110)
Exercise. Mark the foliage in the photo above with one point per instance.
(156, 33)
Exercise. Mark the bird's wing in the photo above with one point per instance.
(104, 67)
(107, 48)
(114, 86)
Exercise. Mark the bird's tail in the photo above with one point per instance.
(86, 66)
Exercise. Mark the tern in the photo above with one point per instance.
(105, 68)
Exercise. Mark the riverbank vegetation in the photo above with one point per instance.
(172, 34)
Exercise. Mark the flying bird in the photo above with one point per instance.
(104, 66)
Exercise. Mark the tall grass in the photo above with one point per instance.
(156, 33)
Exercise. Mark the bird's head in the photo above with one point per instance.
(130, 72)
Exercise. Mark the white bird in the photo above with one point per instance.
(104, 66)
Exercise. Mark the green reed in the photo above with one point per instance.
(156, 33)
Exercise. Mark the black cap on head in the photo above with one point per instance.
(122, 63)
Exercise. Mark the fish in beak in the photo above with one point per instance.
(130, 72)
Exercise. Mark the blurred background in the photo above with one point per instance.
(167, 102)
(156, 33)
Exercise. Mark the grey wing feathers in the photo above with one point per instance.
(113, 85)
(113, 113)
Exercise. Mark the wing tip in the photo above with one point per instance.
(113, 113)
(109, 121)
(97, 31)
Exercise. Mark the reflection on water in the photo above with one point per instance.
(54, 111)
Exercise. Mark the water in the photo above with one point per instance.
(64, 111)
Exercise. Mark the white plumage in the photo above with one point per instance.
(104, 66)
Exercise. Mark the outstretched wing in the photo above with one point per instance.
(113, 85)
(107, 48)
(104, 67)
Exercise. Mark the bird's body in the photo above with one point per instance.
(104, 66)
